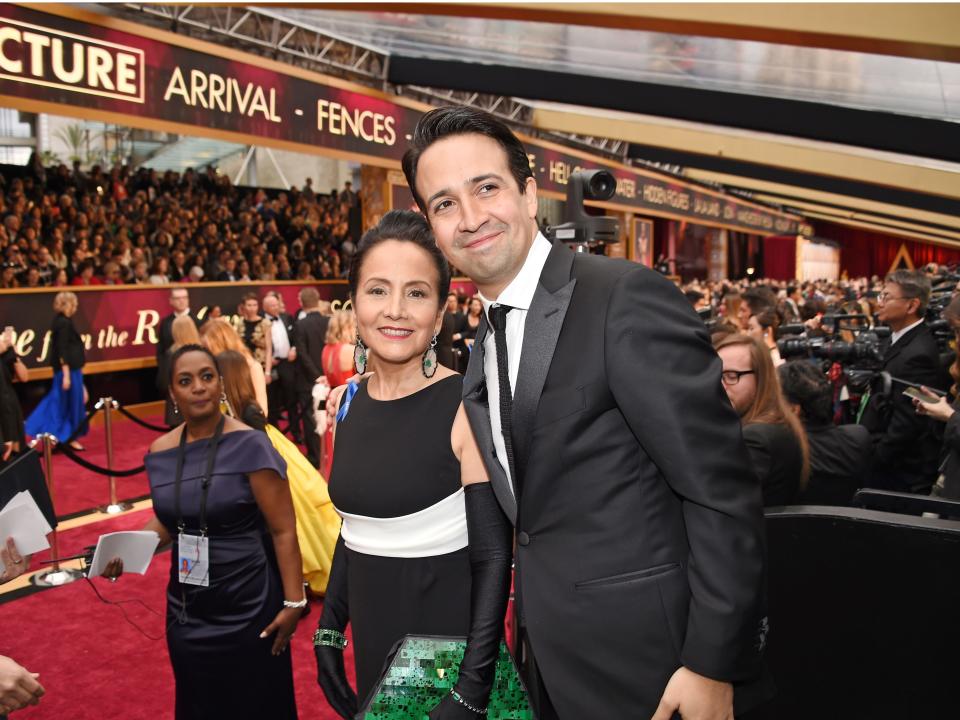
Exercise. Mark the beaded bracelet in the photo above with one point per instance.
(330, 638)
(459, 698)
(295, 605)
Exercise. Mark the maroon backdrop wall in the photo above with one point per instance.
(864, 253)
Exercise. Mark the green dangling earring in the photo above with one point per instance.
(428, 363)
(360, 356)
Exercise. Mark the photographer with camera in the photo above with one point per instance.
(906, 445)
(839, 454)
(943, 410)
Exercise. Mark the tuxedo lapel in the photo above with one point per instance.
(478, 412)
(540, 334)
(898, 347)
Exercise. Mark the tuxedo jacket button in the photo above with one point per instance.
(523, 539)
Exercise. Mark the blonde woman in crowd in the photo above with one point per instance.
(218, 335)
(337, 359)
(62, 411)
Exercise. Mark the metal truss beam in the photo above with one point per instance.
(268, 34)
(262, 32)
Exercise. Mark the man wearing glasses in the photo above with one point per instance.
(906, 446)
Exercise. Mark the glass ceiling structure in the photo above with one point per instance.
(906, 86)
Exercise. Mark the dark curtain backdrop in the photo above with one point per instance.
(780, 257)
(866, 253)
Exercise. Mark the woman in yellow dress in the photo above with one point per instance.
(318, 524)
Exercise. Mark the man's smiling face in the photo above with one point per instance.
(482, 221)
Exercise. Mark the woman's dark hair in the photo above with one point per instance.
(404, 226)
(805, 385)
(448, 121)
(183, 350)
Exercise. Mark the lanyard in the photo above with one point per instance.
(208, 475)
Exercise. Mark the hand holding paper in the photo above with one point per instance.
(134, 548)
(22, 521)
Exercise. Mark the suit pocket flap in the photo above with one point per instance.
(629, 577)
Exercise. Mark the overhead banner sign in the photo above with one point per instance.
(119, 326)
(56, 59)
(122, 324)
(657, 194)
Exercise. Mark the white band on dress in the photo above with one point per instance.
(435, 530)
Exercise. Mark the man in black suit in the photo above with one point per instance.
(180, 302)
(596, 402)
(906, 446)
(311, 332)
(282, 392)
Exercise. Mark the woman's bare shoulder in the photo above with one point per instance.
(167, 441)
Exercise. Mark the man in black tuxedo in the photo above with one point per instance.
(596, 402)
(282, 392)
(906, 446)
(311, 332)
(180, 302)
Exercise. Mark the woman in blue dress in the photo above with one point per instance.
(235, 593)
(61, 412)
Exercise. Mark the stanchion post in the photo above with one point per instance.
(55, 575)
(114, 505)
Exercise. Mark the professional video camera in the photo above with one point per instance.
(860, 359)
(580, 230)
(940, 327)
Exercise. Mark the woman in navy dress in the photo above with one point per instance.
(228, 638)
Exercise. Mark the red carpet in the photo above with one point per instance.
(96, 666)
(77, 489)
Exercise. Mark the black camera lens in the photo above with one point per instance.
(600, 185)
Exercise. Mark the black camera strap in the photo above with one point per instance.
(207, 477)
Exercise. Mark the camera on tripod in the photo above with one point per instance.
(579, 229)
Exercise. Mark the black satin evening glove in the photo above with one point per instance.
(331, 672)
(491, 537)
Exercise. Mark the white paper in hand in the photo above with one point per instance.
(22, 520)
(134, 547)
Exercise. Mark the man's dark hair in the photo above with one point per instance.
(448, 121)
(912, 284)
(805, 385)
(404, 226)
(759, 298)
(694, 296)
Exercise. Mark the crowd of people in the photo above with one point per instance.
(594, 398)
(62, 227)
(815, 433)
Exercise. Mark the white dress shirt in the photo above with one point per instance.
(278, 334)
(518, 295)
(900, 333)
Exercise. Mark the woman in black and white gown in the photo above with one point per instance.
(424, 547)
